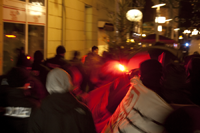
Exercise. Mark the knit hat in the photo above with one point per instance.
(184, 120)
(58, 81)
(60, 50)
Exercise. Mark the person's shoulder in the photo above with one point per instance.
(50, 59)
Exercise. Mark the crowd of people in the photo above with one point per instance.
(79, 96)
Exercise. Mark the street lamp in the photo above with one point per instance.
(195, 32)
(134, 15)
(176, 31)
(157, 15)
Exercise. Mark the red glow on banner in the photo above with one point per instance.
(10, 36)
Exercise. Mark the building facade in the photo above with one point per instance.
(45, 24)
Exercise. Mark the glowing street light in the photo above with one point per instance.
(195, 32)
(158, 15)
(134, 15)
(187, 31)
(143, 35)
(167, 20)
(180, 37)
(177, 29)
(158, 5)
(160, 28)
(160, 20)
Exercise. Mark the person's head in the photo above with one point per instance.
(24, 61)
(38, 56)
(95, 49)
(18, 77)
(151, 73)
(183, 120)
(60, 50)
(196, 53)
(76, 54)
(58, 81)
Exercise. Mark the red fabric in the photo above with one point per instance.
(104, 98)
(83, 59)
(135, 61)
(97, 101)
(161, 58)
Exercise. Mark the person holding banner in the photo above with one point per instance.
(142, 110)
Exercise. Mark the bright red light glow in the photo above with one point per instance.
(11, 36)
(28, 57)
(121, 68)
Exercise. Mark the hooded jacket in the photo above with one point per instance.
(61, 112)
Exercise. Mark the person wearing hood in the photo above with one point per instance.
(61, 111)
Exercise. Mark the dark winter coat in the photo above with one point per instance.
(18, 105)
(62, 113)
(57, 61)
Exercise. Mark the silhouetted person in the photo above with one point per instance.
(61, 111)
(92, 64)
(59, 60)
(18, 102)
(174, 84)
(39, 70)
(78, 65)
(38, 89)
(193, 79)
(142, 109)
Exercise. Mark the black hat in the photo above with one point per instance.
(60, 50)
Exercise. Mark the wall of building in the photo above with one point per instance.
(1, 36)
(79, 29)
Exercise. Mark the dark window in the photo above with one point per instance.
(14, 39)
(35, 39)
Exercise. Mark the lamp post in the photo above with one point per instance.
(134, 15)
(157, 18)
(176, 31)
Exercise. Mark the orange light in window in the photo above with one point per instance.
(11, 36)
(28, 57)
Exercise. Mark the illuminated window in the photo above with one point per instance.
(35, 39)
(11, 45)
(22, 30)
(39, 1)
